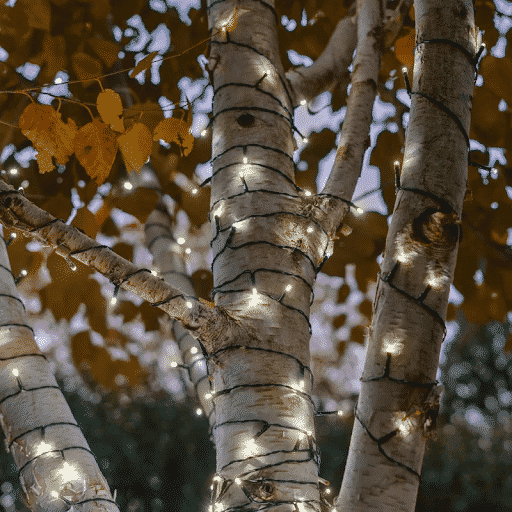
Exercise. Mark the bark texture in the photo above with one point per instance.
(57, 468)
(399, 401)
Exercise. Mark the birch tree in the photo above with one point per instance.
(247, 352)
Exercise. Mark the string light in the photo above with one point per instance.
(307, 193)
(15, 372)
(199, 411)
(203, 133)
(303, 102)
(188, 250)
(181, 241)
(13, 171)
(174, 364)
(113, 301)
(71, 264)
(154, 272)
(245, 160)
(193, 350)
(127, 185)
(194, 191)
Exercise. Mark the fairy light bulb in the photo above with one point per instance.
(254, 291)
(193, 350)
(13, 235)
(194, 191)
(23, 272)
(15, 372)
(199, 411)
(180, 241)
(307, 193)
(42, 447)
(13, 171)
(288, 287)
(208, 396)
(310, 229)
(154, 272)
(188, 250)
(305, 140)
(303, 102)
(238, 481)
(404, 69)
(340, 413)
(203, 133)
(189, 305)
(245, 160)
(174, 364)
(127, 185)
(113, 301)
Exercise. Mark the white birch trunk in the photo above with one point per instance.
(58, 472)
(168, 258)
(398, 399)
(264, 431)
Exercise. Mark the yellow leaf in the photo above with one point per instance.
(135, 146)
(96, 147)
(37, 123)
(143, 65)
(86, 66)
(49, 134)
(177, 131)
(110, 107)
(64, 135)
(44, 161)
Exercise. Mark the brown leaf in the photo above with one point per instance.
(86, 221)
(64, 137)
(404, 47)
(135, 146)
(37, 13)
(86, 67)
(106, 50)
(96, 147)
(110, 107)
(139, 203)
(151, 115)
(143, 65)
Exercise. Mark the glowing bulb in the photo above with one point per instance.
(72, 266)
(180, 241)
(396, 162)
(494, 173)
(43, 448)
(174, 364)
(113, 301)
(305, 140)
(13, 235)
(208, 396)
(254, 291)
(238, 481)
(127, 185)
(193, 350)
(309, 433)
(245, 160)
(404, 69)
(189, 305)
(24, 272)
(58, 80)
(310, 229)
(307, 193)
(15, 372)
(359, 210)
(203, 133)
(327, 491)
(288, 287)
(188, 250)
(154, 272)
(13, 171)
(303, 102)
(199, 411)
(55, 494)
(194, 191)
(217, 478)
(340, 413)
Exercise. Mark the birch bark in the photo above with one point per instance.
(57, 468)
(397, 405)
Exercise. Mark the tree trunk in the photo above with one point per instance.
(57, 468)
(266, 249)
(398, 401)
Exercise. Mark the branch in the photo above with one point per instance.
(203, 321)
(330, 68)
(374, 34)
